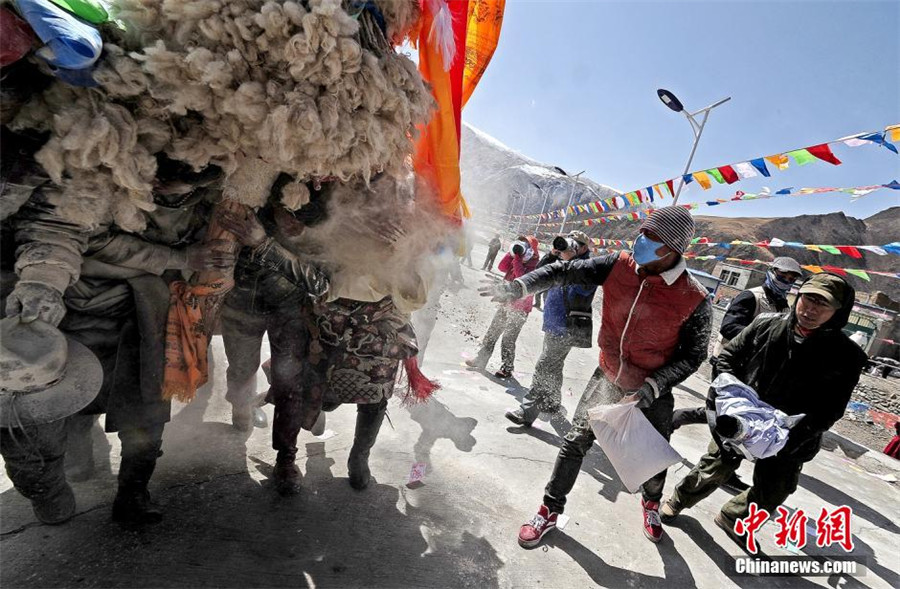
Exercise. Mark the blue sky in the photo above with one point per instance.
(574, 84)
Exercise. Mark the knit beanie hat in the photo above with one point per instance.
(673, 225)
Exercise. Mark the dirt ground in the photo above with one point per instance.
(224, 525)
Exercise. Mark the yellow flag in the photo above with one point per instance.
(703, 179)
(780, 161)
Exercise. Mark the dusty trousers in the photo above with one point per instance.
(507, 322)
(289, 330)
(546, 386)
(774, 479)
(34, 457)
(600, 391)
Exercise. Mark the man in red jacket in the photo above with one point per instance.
(511, 316)
(654, 333)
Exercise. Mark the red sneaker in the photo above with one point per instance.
(652, 525)
(531, 533)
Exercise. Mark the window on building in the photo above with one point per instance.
(730, 278)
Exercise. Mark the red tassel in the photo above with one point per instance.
(421, 387)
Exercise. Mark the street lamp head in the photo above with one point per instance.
(670, 100)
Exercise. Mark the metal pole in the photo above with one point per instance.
(543, 208)
(697, 128)
(509, 219)
(562, 228)
(697, 133)
(521, 214)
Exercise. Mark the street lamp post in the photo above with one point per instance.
(546, 193)
(521, 213)
(673, 103)
(562, 228)
(509, 218)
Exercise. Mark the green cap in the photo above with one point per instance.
(832, 288)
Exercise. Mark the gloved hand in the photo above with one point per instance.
(502, 292)
(644, 396)
(35, 300)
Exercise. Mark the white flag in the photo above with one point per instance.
(745, 170)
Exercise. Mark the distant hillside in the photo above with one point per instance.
(494, 174)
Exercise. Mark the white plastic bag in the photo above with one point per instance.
(635, 449)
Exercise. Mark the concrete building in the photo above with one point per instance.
(735, 279)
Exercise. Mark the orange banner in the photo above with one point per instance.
(482, 36)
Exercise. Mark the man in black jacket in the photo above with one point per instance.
(770, 297)
(798, 362)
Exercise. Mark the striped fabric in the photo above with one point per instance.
(673, 225)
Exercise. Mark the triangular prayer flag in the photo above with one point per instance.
(849, 250)
(784, 191)
(729, 174)
(775, 242)
(715, 173)
(874, 249)
(814, 248)
(670, 184)
(687, 179)
(893, 247)
(879, 139)
(835, 269)
(893, 184)
(650, 193)
(778, 160)
(703, 179)
(745, 170)
(760, 164)
(830, 249)
(801, 156)
(859, 273)
(813, 269)
(823, 152)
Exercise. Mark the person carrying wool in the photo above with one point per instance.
(275, 291)
(362, 333)
(654, 333)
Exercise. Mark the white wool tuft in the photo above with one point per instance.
(301, 86)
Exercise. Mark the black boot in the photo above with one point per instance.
(287, 476)
(80, 448)
(140, 450)
(133, 506)
(368, 422)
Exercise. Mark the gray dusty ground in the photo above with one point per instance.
(225, 527)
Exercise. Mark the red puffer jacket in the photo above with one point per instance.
(642, 318)
(513, 267)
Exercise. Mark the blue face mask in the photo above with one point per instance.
(644, 250)
(776, 284)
